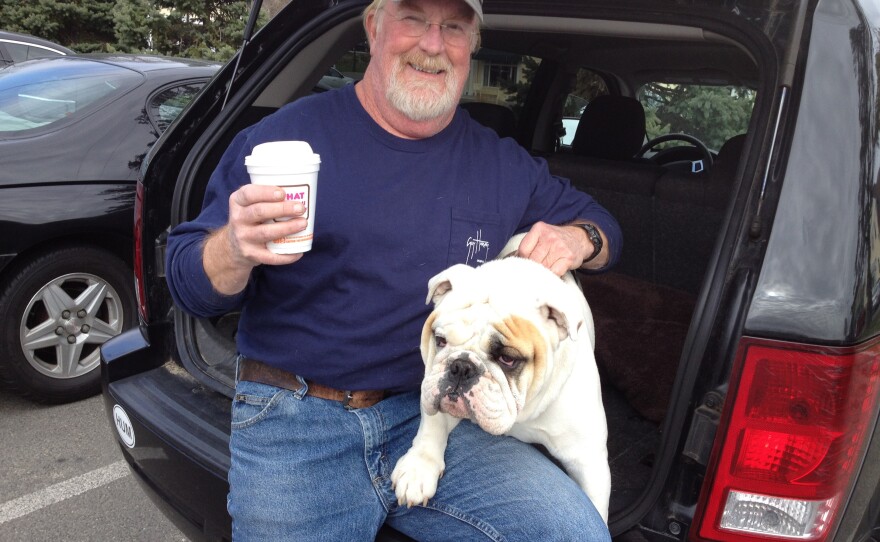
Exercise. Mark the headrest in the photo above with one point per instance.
(500, 118)
(728, 158)
(612, 127)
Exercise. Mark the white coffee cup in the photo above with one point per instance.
(292, 166)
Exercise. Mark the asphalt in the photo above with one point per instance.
(63, 478)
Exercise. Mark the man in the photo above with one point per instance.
(327, 395)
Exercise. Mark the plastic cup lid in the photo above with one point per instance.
(282, 153)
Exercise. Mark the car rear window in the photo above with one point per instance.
(711, 113)
(45, 92)
(21, 52)
(168, 104)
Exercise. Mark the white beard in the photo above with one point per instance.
(420, 101)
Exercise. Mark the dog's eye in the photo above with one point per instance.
(507, 361)
(439, 341)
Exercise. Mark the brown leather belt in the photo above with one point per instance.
(257, 371)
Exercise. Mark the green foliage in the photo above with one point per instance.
(132, 26)
(518, 90)
(713, 114)
(82, 25)
(587, 85)
(209, 29)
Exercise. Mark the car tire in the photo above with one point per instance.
(55, 311)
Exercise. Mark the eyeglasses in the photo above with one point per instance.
(456, 34)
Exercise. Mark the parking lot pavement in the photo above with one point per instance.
(63, 478)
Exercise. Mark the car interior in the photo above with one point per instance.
(670, 197)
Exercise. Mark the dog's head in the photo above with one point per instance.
(498, 340)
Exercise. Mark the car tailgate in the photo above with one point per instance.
(174, 434)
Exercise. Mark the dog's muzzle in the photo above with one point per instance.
(460, 377)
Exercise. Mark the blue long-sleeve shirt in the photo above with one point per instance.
(390, 214)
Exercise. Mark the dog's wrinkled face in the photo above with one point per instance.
(483, 366)
(488, 349)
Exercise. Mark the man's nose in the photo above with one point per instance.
(432, 40)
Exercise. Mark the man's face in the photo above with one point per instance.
(423, 75)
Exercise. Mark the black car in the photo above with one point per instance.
(738, 338)
(73, 133)
(15, 47)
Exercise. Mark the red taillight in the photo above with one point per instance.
(140, 287)
(791, 441)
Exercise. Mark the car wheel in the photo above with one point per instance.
(55, 312)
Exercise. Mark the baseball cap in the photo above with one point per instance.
(477, 6)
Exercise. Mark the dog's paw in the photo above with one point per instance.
(415, 477)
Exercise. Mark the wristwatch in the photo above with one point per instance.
(595, 238)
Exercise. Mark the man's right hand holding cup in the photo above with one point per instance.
(258, 214)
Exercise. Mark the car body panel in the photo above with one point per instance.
(200, 502)
(834, 298)
(70, 211)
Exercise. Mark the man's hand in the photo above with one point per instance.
(231, 252)
(560, 248)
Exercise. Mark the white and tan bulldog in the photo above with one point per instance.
(509, 346)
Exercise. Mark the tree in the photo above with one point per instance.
(518, 90)
(133, 22)
(714, 113)
(210, 29)
(82, 25)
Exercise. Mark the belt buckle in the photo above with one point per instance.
(346, 402)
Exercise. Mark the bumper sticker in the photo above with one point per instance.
(123, 426)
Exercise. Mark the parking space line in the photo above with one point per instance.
(37, 500)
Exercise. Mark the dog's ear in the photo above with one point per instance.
(427, 346)
(441, 283)
(566, 321)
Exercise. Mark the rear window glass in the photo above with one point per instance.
(587, 85)
(21, 52)
(711, 113)
(41, 93)
(168, 104)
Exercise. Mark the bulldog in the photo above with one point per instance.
(509, 346)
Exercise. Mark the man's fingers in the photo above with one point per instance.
(249, 242)
(255, 193)
(256, 204)
(529, 242)
(551, 246)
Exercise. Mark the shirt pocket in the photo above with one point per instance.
(475, 237)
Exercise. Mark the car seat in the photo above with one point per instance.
(500, 118)
(611, 127)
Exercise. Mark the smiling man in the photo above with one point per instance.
(327, 394)
(412, 91)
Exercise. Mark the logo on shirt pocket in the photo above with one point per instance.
(477, 249)
(475, 237)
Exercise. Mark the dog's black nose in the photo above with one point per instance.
(462, 369)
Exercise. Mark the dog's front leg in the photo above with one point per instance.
(415, 476)
(594, 477)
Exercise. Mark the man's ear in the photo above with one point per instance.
(442, 283)
(370, 28)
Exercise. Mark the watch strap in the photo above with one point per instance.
(595, 238)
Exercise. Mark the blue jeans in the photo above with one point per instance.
(305, 468)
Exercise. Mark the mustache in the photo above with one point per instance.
(432, 64)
